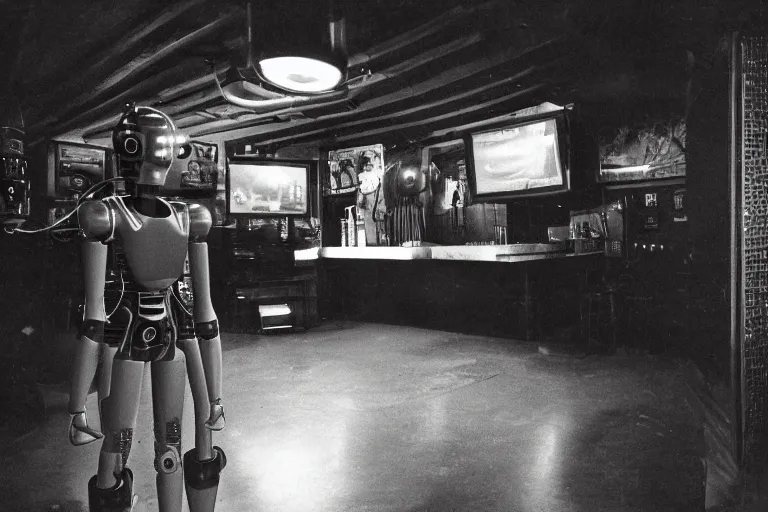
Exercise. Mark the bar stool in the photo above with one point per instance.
(599, 321)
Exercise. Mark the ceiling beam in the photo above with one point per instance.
(141, 65)
(420, 109)
(107, 110)
(441, 80)
(422, 59)
(113, 57)
(198, 100)
(101, 115)
(419, 132)
(414, 35)
(443, 117)
(192, 104)
(431, 55)
(177, 91)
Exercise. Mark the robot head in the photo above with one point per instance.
(145, 142)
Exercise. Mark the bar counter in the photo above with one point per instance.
(458, 288)
(511, 253)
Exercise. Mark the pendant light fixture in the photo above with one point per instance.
(300, 49)
(294, 57)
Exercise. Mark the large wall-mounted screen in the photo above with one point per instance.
(517, 161)
(267, 188)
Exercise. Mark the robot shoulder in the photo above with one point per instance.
(199, 222)
(95, 220)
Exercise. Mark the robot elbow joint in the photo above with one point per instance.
(207, 330)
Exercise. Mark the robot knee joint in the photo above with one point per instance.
(203, 474)
(168, 461)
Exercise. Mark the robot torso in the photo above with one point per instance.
(154, 250)
(155, 247)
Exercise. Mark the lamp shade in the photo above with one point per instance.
(301, 50)
(300, 74)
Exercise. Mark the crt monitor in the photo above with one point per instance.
(267, 187)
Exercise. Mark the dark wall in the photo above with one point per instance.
(39, 288)
(709, 192)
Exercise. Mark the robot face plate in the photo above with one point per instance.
(146, 140)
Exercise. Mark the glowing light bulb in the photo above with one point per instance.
(300, 74)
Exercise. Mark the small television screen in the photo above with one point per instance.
(517, 161)
(267, 188)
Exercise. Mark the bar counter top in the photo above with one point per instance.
(511, 253)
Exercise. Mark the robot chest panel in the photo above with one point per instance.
(155, 252)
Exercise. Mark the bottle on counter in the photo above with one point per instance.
(360, 229)
(351, 227)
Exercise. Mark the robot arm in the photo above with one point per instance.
(206, 323)
(96, 223)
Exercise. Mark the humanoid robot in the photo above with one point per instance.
(151, 239)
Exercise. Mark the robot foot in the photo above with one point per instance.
(216, 418)
(79, 431)
(118, 498)
(202, 480)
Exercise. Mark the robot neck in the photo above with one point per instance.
(147, 202)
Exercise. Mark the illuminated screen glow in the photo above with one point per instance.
(300, 74)
(517, 159)
(267, 189)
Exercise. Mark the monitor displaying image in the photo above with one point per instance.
(517, 161)
(267, 188)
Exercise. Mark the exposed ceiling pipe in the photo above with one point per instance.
(284, 102)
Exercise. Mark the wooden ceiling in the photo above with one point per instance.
(418, 68)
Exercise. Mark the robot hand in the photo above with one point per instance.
(216, 419)
(79, 431)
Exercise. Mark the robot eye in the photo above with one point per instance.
(131, 145)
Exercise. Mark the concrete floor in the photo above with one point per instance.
(367, 417)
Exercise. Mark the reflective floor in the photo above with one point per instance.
(367, 417)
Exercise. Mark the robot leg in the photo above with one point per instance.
(202, 479)
(203, 441)
(203, 464)
(112, 487)
(168, 385)
(118, 498)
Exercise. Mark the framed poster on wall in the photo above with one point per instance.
(350, 168)
(647, 151)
